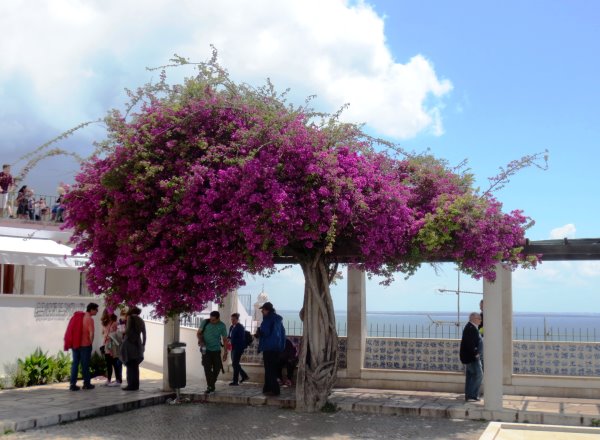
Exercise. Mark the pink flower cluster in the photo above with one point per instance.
(198, 192)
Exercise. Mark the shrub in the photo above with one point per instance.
(97, 365)
(62, 367)
(37, 368)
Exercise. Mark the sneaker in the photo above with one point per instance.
(472, 400)
(209, 390)
(108, 383)
(244, 379)
(88, 387)
(234, 384)
(74, 388)
(113, 384)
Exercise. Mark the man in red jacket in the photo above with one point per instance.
(79, 338)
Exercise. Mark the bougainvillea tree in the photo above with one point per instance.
(214, 179)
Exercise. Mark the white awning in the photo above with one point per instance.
(38, 252)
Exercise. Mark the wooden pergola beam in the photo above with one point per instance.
(580, 249)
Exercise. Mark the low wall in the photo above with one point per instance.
(430, 364)
(31, 321)
(155, 349)
(413, 354)
(556, 358)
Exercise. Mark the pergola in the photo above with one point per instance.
(498, 311)
(565, 249)
(498, 321)
(497, 308)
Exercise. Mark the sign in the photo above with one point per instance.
(56, 311)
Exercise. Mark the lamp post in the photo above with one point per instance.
(458, 292)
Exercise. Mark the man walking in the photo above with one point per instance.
(213, 333)
(79, 338)
(237, 338)
(470, 347)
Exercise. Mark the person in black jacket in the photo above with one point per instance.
(470, 347)
(288, 359)
(237, 338)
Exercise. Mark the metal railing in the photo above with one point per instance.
(294, 328)
(41, 208)
(556, 334)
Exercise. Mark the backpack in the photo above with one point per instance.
(248, 338)
(200, 333)
(279, 334)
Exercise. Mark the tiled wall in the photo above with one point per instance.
(251, 355)
(556, 358)
(529, 357)
(413, 354)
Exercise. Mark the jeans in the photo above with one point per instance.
(211, 361)
(473, 380)
(133, 374)
(81, 355)
(271, 363)
(236, 356)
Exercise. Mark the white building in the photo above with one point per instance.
(40, 288)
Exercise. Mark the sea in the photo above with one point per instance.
(581, 327)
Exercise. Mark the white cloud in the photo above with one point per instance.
(590, 268)
(567, 231)
(333, 48)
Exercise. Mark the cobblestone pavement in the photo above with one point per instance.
(219, 421)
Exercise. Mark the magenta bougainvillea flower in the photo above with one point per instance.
(209, 183)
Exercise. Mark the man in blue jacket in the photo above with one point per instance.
(237, 338)
(271, 343)
(471, 347)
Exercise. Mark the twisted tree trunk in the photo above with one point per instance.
(317, 366)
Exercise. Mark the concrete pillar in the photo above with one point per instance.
(171, 334)
(507, 327)
(230, 305)
(494, 305)
(357, 322)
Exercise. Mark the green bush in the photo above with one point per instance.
(97, 365)
(62, 367)
(37, 368)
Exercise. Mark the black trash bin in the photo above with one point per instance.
(176, 362)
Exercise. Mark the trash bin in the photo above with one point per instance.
(176, 362)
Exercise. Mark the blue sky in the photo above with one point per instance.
(485, 81)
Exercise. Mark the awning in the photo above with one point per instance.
(38, 252)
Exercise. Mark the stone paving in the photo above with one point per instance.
(35, 407)
(217, 421)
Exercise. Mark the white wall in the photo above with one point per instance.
(154, 350)
(30, 321)
(62, 282)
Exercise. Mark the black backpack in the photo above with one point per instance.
(249, 338)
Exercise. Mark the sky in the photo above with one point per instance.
(484, 81)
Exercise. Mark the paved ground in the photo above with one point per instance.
(219, 421)
(366, 413)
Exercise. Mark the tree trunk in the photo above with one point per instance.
(317, 361)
